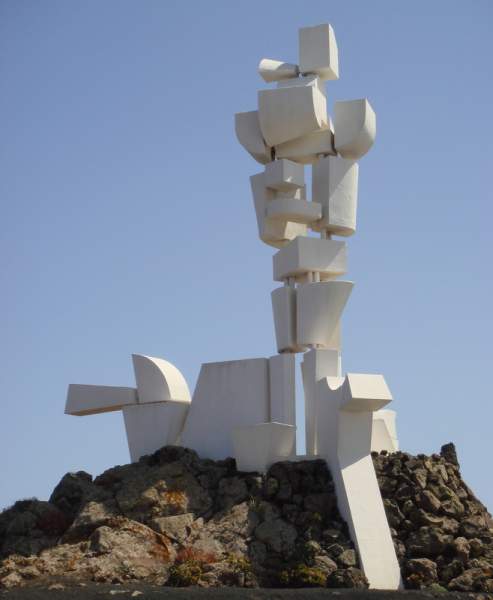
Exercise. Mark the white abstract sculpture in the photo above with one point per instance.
(246, 408)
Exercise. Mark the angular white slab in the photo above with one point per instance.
(335, 187)
(228, 394)
(282, 388)
(316, 365)
(152, 426)
(384, 431)
(275, 70)
(247, 128)
(318, 51)
(256, 447)
(362, 391)
(284, 175)
(309, 254)
(287, 113)
(344, 439)
(355, 128)
(94, 399)
(284, 310)
(271, 231)
(159, 381)
(319, 307)
(297, 211)
(309, 80)
(308, 148)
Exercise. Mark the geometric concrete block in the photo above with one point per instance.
(364, 392)
(159, 381)
(297, 211)
(319, 308)
(152, 426)
(316, 365)
(309, 254)
(282, 388)
(271, 231)
(256, 447)
(355, 128)
(384, 432)
(275, 70)
(308, 148)
(227, 395)
(335, 187)
(94, 399)
(284, 310)
(344, 439)
(284, 175)
(318, 52)
(287, 113)
(248, 132)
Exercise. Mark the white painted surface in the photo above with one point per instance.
(308, 148)
(85, 400)
(316, 365)
(159, 381)
(318, 51)
(287, 113)
(275, 70)
(319, 307)
(151, 426)
(247, 128)
(362, 391)
(355, 128)
(228, 394)
(271, 231)
(344, 439)
(291, 209)
(335, 187)
(384, 431)
(284, 311)
(256, 447)
(282, 388)
(310, 254)
(284, 175)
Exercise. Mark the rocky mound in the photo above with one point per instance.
(442, 533)
(177, 520)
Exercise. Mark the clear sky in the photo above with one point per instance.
(127, 223)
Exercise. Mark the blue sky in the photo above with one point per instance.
(127, 223)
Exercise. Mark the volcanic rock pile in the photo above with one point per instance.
(175, 519)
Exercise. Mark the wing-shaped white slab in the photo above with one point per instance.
(276, 70)
(296, 107)
(355, 128)
(247, 128)
(363, 391)
(318, 51)
(94, 399)
(307, 149)
(159, 381)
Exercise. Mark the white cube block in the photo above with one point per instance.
(309, 254)
(365, 392)
(271, 231)
(308, 148)
(247, 128)
(93, 399)
(284, 175)
(276, 70)
(287, 113)
(318, 51)
(256, 447)
(355, 128)
(152, 426)
(282, 388)
(335, 187)
(290, 209)
(284, 310)
(319, 308)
